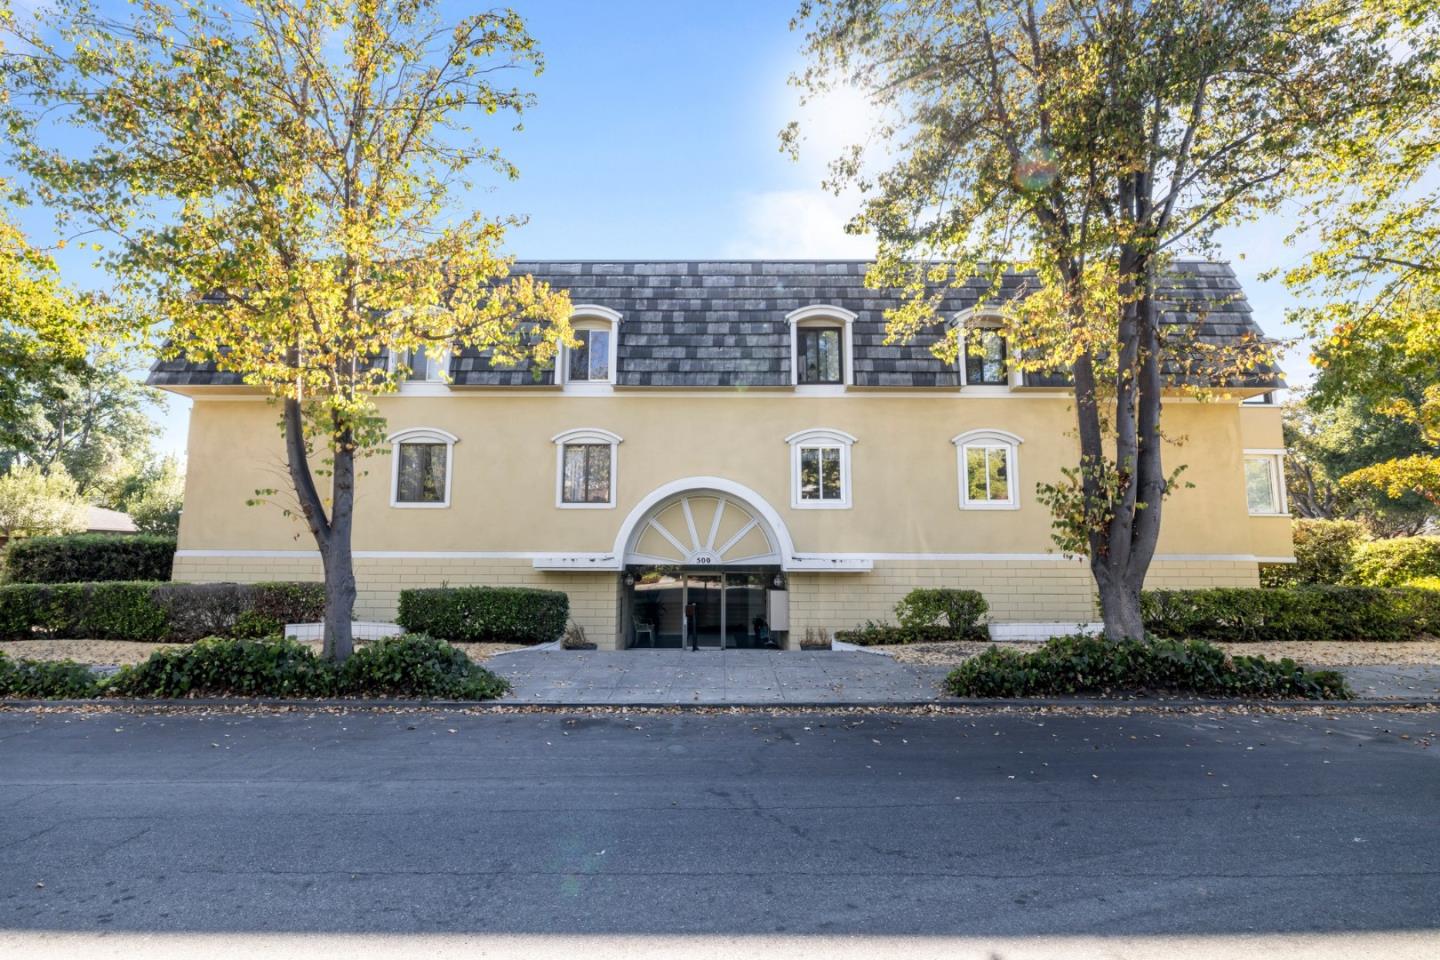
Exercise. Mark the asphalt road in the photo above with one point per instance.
(741, 825)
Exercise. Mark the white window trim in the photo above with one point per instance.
(585, 435)
(823, 315)
(985, 317)
(421, 435)
(989, 438)
(429, 387)
(1276, 459)
(590, 316)
(820, 437)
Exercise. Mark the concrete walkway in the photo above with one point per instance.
(713, 676)
(551, 675)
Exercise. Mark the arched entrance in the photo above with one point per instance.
(702, 562)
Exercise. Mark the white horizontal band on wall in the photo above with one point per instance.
(602, 556)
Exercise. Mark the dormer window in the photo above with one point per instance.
(985, 358)
(590, 362)
(821, 347)
(421, 365)
(589, 366)
(984, 354)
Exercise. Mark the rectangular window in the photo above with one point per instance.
(425, 365)
(987, 475)
(586, 476)
(420, 473)
(820, 474)
(1262, 484)
(985, 358)
(819, 355)
(591, 360)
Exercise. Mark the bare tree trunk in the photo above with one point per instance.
(339, 563)
(331, 533)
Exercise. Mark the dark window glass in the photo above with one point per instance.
(420, 474)
(424, 365)
(591, 360)
(819, 355)
(587, 473)
(820, 473)
(985, 358)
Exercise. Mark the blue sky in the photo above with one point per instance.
(655, 136)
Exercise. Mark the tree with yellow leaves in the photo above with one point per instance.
(277, 177)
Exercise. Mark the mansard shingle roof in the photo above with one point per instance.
(722, 323)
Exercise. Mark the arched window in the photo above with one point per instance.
(590, 366)
(984, 357)
(585, 468)
(820, 469)
(420, 468)
(822, 354)
(989, 469)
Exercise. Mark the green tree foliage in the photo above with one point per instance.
(35, 503)
(295, 163)
(90, 417)
(1327, 444)
(1375, 272)
(1086, 142)
(153, 496)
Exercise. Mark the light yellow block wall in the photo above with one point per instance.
(1261, 429)
(1027, 590)
(905, 472)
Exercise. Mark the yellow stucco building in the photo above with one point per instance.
(734, 455)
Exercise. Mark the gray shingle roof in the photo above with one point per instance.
(704, 323)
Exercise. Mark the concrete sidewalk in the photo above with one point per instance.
(552, 675)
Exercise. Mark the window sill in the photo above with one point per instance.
(562, 505)
(1285, 516)
(989, 506)
(588, 388)
(404, 505)
(820, 389)
(820, 505)
(418, 389)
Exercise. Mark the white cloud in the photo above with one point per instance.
(797, 224)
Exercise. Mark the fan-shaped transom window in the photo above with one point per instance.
(989, 470)
(702, 529)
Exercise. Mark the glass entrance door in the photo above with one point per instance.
(705, 611)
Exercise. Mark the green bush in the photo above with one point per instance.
(963, 611)
(1086, 664)
(89, 557)
(174, 612)
(221, 667)
(485, 614)
(1241, 615)
(1390, 563)
(414, 665)
(1324, 554)
(926, 616)
(46, 679)
(1424, 583)
(408, 666)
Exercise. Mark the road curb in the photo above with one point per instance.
(1077, 704)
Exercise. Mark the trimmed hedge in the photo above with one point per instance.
(163, 612)
(1391, 563)
(926, 615)
(1086, 664)
(485, 614)
(89, 558)
(1246, 615)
